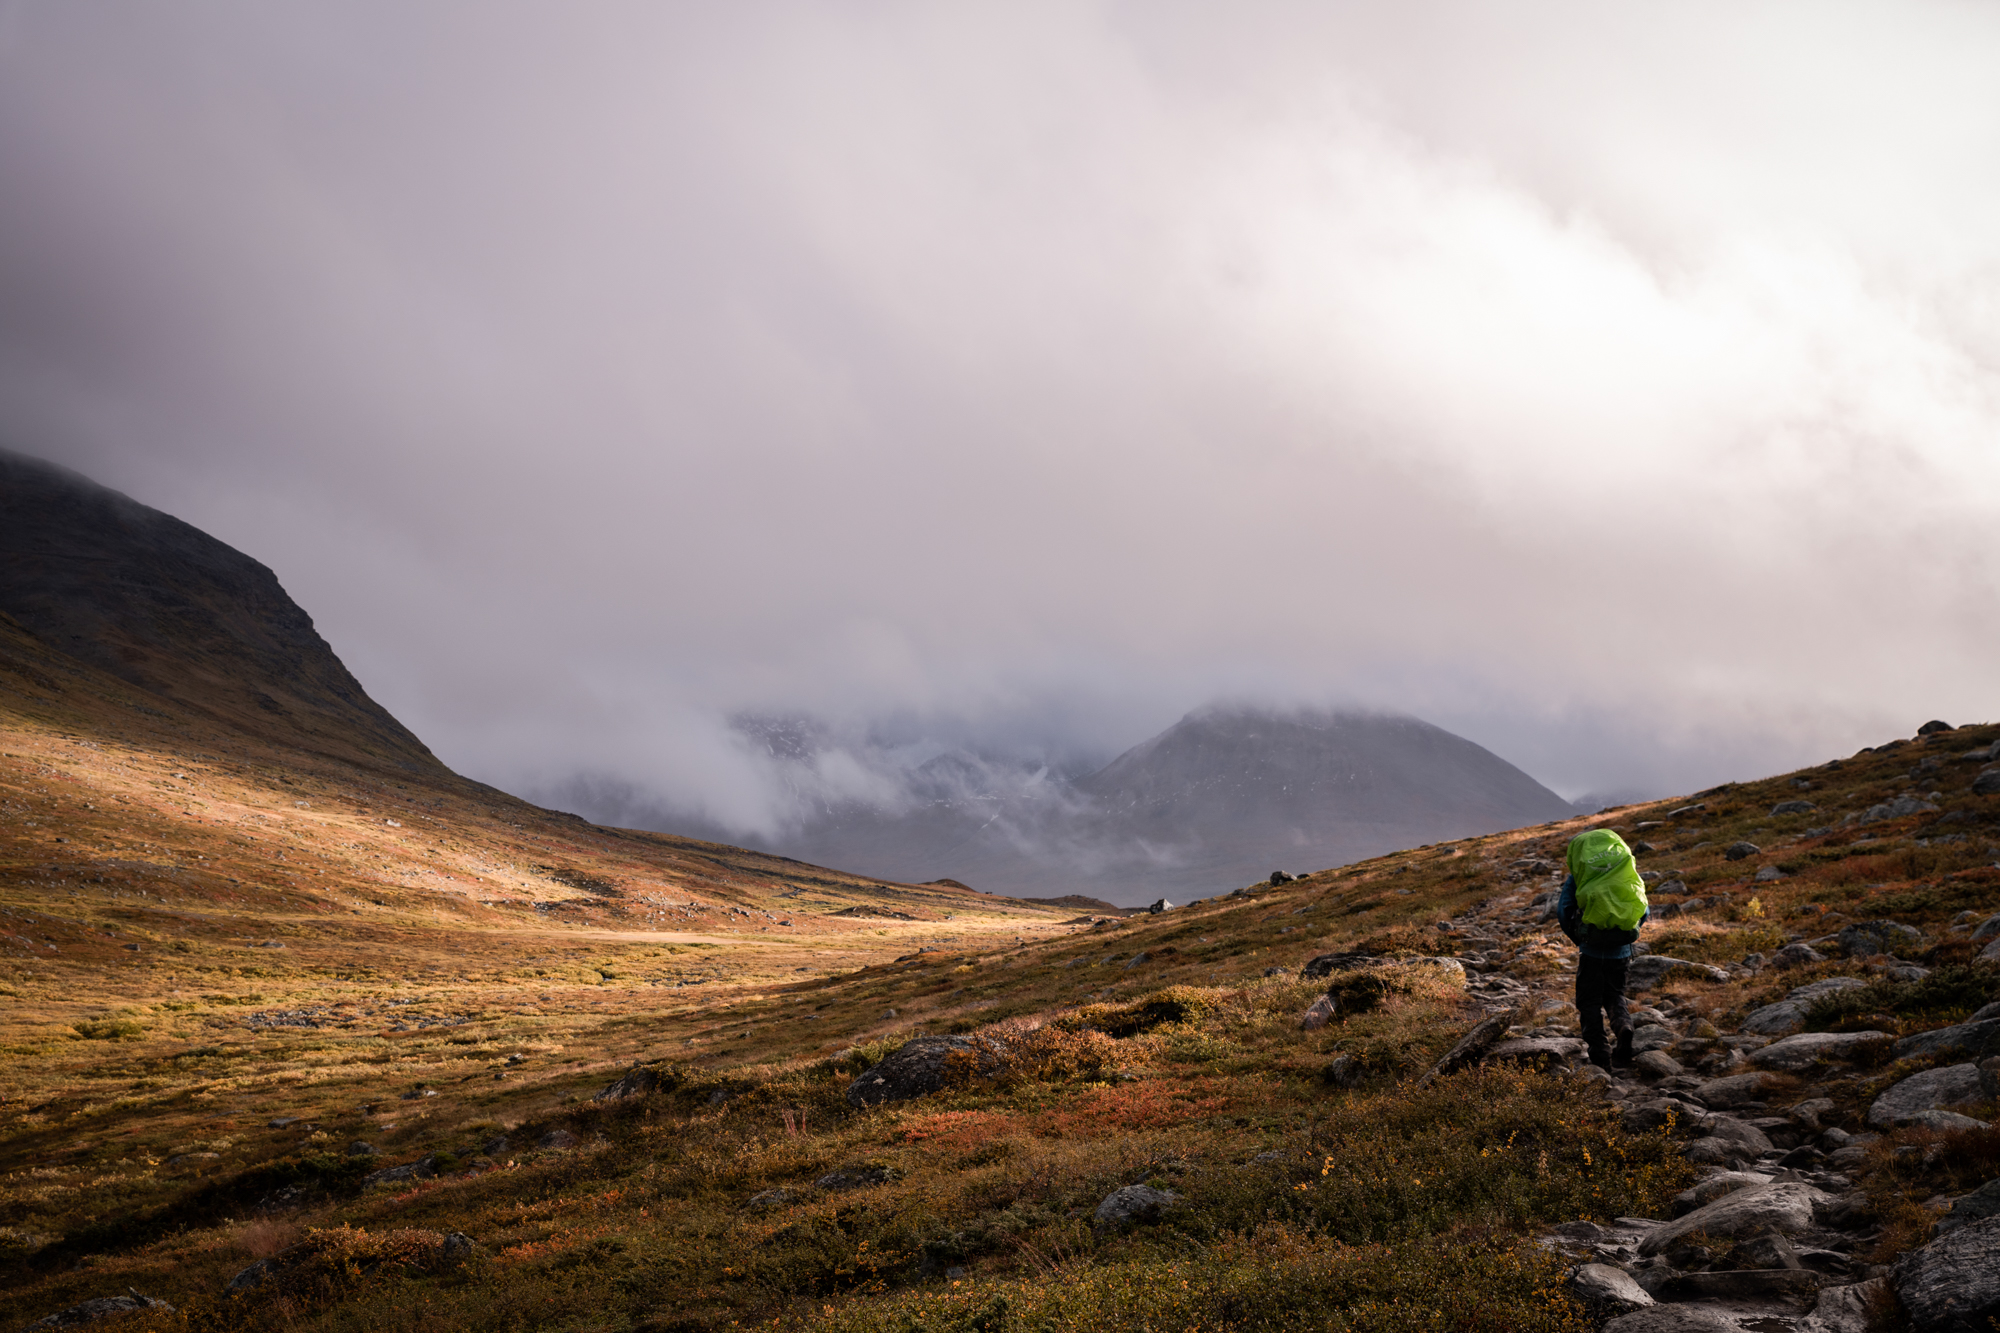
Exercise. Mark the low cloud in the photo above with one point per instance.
(1620, 397)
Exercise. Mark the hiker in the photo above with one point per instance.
(1603, 905)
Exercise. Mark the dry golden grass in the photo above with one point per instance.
(513, 963)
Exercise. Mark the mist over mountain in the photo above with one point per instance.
(1222, 797)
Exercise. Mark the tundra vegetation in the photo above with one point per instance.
(438, 1059)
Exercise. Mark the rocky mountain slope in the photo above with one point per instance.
(1224, 796)
(170, 610)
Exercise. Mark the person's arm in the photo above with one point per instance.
(1568, 915)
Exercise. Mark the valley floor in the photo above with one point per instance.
(447, 1061)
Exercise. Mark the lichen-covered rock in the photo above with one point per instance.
(637, 1083)
(1722, 1093)
(1930, 1090)
(1785, 1208)
(1806, 1049)
(1972, 1039)
(1605, 1290)
(1672, 1319)
(1952, 1285)
(1132, 1205)
(920, 1067)
(1977, 1206)
(1864, 939)
(104, 1307)
(1789, 1014)
(1715, 1187)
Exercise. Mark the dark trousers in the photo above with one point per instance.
(1600, 990)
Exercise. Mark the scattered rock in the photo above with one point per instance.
(1789, 1014)
(1161, 905)
(917, 1068)
(1989, 929)
(1796, 954)
(1941, 1120)
(1469, 1048)
(853, 1178)
(1982, 1203)
(104, 1307)
(1785, 1208)
(1931, 1090)
(252, 1277)
(362, 1148)
(635, 1084)
(1672, 1319)
(1752, 1140)
(1973, 1039)
(1952, 1285)
(1542, 1053)
(776, 1198)
(1745, 1285)
(1899, 808)
(1656, 1065)
(1736, 851)
(1848, 1309)
(1865, 939)
(1986, 784)
(1717, 1186)
(556, 1140)
(421, 1169)
(1768, 874)
(1724, 1093)
(1326, 964)
(1132, 1205)
(1641, 1116)
(1794, 808)
(1647, 972)
(1805, 1049)
(1605, 1290)
(1319, 1015)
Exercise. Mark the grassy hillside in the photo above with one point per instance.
(226, 964)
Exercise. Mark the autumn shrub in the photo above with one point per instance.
(1054, 1053)
(1173, 1005)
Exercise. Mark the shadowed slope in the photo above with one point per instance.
(168, 608)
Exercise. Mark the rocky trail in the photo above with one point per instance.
(1782, 1124)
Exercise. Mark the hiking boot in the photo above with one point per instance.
(1623, 1055)
(1600, 1057)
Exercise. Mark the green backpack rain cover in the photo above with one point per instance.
(1608, 887)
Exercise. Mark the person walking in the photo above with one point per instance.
(1602, 907)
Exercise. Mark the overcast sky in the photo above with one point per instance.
(1617, 385)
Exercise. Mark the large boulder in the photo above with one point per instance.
(1785, 1208)
(1952, 1285)
(1722, 1094)
(1973, 1039)
(1864, 939)
(1705, 1192)
(1977, 1206)
(1789, 1014)
(1931, 1090)
(920, 1067)
(1806, 1049)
